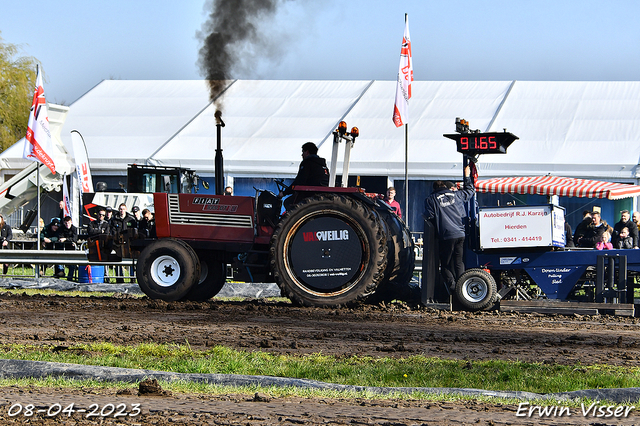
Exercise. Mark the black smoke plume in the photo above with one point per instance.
(231, 29)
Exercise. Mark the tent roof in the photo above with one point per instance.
(556, 185)
(581, 129)
(266, 124)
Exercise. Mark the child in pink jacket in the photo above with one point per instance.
(604, 243)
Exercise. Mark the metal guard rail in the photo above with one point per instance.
(79, 257)
(59, 257)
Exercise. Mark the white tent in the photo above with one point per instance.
(576, 129)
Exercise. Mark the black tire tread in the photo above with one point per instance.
(379, 254)
(212, 283)
(400, 260)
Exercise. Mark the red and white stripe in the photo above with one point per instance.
(556, 185)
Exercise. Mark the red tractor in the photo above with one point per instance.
(334, 247)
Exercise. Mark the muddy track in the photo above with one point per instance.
(277, 327)
(380, 331)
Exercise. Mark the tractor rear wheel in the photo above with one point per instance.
(213, 275)
(329, 250)
(167, 269)
(476, 289)
(400, 262)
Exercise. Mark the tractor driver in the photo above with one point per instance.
(313, 171)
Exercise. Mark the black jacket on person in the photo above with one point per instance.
(592, 235)
(48, 232)
(623, 243)
(147, 228)
(633, 232)
(582, 228)
(446, 209)
(98, 227)
(70, 235)
(313, 171)
(567, 234)
(6, 234)
(121, 224)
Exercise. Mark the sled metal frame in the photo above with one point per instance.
(567, 307)
(609, 286)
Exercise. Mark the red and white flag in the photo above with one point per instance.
(82, 162)
(65, 198)
(405, 77)
(38, 145)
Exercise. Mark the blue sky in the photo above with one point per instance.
(80, 43)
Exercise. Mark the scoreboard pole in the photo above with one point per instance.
(471, 144)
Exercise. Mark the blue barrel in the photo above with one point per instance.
(91, 274)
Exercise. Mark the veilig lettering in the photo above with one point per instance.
(335, 235)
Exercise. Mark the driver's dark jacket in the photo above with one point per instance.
(313, 171)
(445, 208)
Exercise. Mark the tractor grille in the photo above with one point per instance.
(176, 217)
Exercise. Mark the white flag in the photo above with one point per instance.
(405, 77)
(82, 162)
(65, 198)
(38, 145)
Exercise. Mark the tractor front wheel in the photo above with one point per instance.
(213, 275)
(167, 269)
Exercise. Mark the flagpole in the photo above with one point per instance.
(38, 192)
(401, 105)
(80, 205)
(37, 267)
(406, 172)
(406, 145)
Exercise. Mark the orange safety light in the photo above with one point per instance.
(355, 132)
(342, 128)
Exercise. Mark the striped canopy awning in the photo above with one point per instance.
(556, 185)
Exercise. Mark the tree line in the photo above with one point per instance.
(17, 82)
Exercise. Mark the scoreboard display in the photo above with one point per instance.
(482, 143)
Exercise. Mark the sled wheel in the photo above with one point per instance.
(329, 250)
(167, 269)
(476, 289)
(213, 275)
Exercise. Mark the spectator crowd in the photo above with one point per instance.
(595, 232)
(61, 234)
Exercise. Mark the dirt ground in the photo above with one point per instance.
(277, 327)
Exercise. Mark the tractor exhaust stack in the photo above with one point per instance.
(219, 162)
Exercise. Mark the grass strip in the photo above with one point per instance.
(413, 371)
